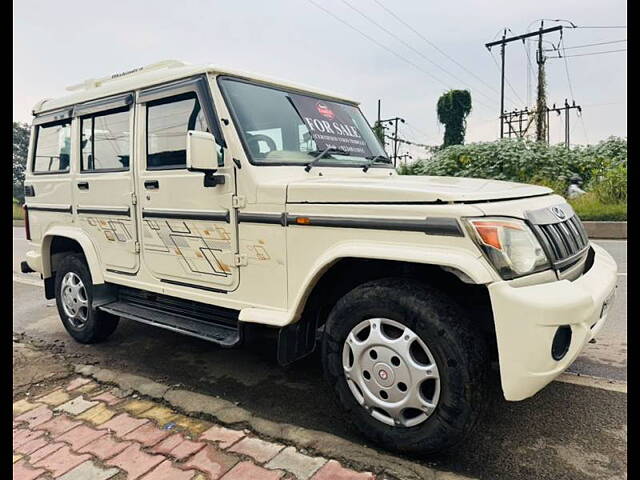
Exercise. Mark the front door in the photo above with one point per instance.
(188, 231)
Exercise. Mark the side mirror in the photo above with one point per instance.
(201, 151)
(202, 156)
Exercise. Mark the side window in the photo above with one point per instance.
(105, 141)
(53, 148)
(168, 121)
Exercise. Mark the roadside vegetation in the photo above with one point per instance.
(602, 167)
(21, 134)
(18, 213)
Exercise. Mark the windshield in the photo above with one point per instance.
(285, 128)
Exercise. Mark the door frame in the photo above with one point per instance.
(115, 213)
(199, 85)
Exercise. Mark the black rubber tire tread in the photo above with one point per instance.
(460, 353)
(100, 325)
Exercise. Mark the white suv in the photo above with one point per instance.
(203, 200)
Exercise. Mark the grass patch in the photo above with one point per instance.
(589, 208)
(18, 213)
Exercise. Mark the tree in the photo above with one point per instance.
(21, 133)
(378, 130)
(453, 108)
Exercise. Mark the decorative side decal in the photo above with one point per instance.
(113, 230)
(197, 245)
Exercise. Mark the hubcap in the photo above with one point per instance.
(391, 372)
(74, 299)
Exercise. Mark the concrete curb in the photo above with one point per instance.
(18, 223)
(606, 230)
(322, 443)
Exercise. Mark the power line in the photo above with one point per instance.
(604, 104)
(421, 133)
(407, 142)
(409, 46)
(591, 45)
(566, 68)
(601, 26)
(419, 34)
(506, 80)
(593, 53)
(373, 40)
(529, 70)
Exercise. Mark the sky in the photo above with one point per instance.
(404, 52)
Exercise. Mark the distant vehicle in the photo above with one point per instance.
(204, 201)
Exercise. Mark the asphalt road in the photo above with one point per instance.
(566, 431)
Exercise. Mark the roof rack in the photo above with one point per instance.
(96, 82)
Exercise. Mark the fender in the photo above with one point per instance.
(472, 264)
(73, 233)
(298, 338)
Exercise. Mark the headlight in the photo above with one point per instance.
(509, 244)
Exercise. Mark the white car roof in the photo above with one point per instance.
(154, 74)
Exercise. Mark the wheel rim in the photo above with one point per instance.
(74, 299)
(391, 372)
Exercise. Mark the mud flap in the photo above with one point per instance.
(297, 340)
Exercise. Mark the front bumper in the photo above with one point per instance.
(527, 318)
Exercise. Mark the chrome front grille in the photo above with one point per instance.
(560, 233)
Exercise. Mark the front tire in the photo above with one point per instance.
(74, 299)
(406, 365)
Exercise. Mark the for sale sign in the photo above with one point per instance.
(330, 125)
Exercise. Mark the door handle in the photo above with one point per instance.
(151, 184)
(83, 185)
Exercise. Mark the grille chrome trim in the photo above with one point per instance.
(565, 240)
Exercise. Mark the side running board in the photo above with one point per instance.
(223, 334)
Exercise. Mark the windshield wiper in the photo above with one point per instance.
(373, 159)
(320, 155)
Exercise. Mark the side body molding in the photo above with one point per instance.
(79, 236)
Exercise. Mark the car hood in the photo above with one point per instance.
(406, 189)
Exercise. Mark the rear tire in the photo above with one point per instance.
(435, 338)
(74, 299)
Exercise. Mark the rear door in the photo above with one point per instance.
(189, 235)
(103, 183)
(48, 191)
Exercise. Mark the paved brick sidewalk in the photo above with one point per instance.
(86, 431)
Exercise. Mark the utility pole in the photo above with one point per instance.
(567, 130)
(522, 120)
(566, 124)
(503, 42)
(379, 128)
(541, 99)
(394, 120)
(502, 45)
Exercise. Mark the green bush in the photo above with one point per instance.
(611, 186)
(589, 207)
(18, 213)
(602, 167)
(524, 161)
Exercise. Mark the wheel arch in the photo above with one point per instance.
(457, 271)
(59, 241)
(468, 267)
